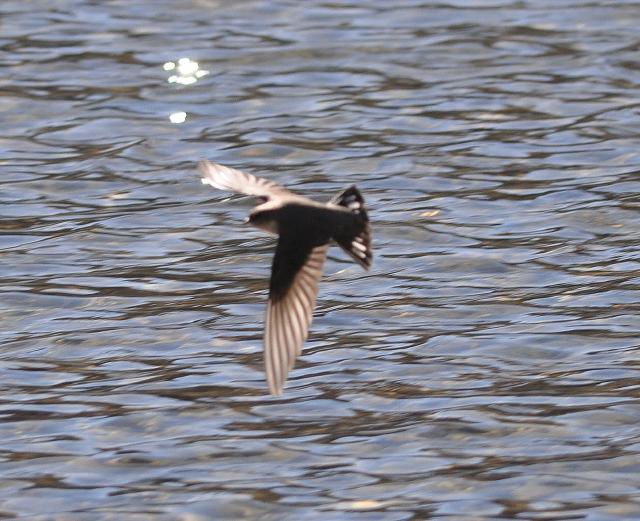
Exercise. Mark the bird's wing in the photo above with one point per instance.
(292, 298)
(225, 178)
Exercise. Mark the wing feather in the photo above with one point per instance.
(225, 178)
(289, 317)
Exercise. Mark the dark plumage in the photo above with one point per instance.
(305, 228)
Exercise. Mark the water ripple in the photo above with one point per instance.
(486, 368)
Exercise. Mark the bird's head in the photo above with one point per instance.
(263, 219)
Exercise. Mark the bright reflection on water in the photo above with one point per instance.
(487, 368)
(178, 117)
(188, 71)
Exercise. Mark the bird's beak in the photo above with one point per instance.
(245, 220)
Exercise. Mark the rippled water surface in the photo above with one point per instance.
(486, 368)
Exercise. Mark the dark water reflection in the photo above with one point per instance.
(486, 369)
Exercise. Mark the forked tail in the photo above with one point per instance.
(355, 238)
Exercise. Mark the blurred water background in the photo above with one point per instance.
(486, 368)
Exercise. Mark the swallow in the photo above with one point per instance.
(305, 229)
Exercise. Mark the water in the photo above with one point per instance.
(486, 368)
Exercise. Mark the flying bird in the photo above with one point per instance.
(305, 228)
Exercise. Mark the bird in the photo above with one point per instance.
(305, 229)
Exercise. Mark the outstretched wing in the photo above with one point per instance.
(225, 178)
(292, 298)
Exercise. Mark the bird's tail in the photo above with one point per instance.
(355, 238)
